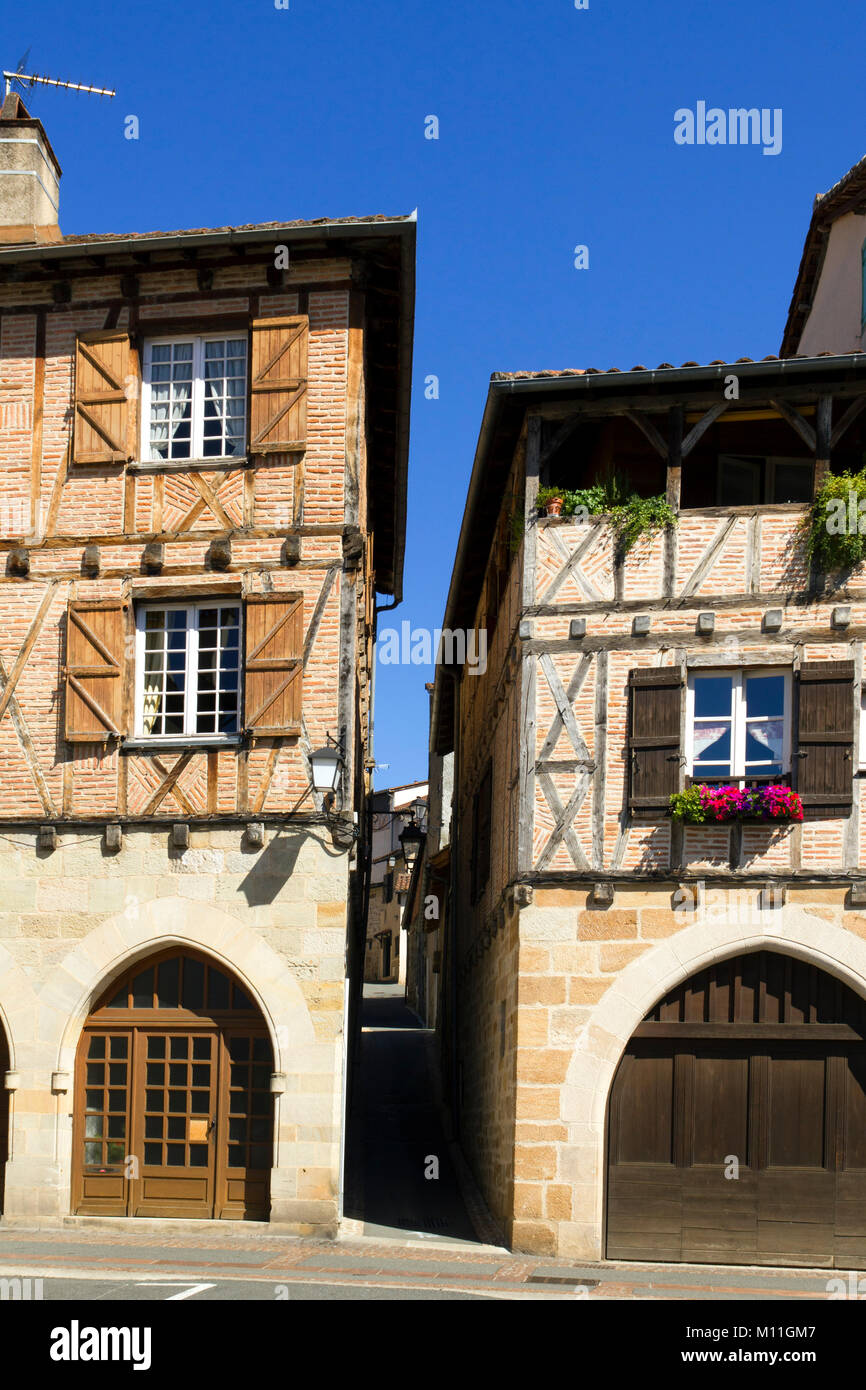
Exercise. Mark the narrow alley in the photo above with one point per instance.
(396, 1131)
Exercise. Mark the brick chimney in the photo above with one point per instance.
(29, 178)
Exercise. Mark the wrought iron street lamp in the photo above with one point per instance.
(326, 767)
(411, 839)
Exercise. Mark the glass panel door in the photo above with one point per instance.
(106, 1103)
(175, 1117)
(245, 1147)
(101, 1131)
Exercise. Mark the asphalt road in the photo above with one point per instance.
(234, 1290)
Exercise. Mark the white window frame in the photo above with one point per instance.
(738, 676)
(197, 454)
(189, 736)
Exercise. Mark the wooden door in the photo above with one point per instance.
(102, 1100)
(174, 1118)
(245, 1135)
(737, 1122)
(172, 1099)
(719, 1213)
(850, 1230)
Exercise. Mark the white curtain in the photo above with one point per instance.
(181, 391)
(769, 736)
(706, 735)
(152, 693)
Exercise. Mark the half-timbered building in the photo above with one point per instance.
(203, 451)
(828, 306)
(392, 809)
(653, 1027)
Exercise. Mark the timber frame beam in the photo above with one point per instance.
(673, 446)
(701, 398)
(577, 879)
(665, 641)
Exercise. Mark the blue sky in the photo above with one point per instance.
(556, 129)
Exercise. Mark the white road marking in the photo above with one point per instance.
(189, 1291)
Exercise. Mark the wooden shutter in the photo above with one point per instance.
(654, 745)
(94, 671)
(278, 384)
(274, 664)
(103, 414)
(825, 738)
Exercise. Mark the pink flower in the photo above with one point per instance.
(768, 802)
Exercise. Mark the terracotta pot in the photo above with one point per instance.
(554, 506)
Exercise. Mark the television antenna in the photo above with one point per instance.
(26, 79)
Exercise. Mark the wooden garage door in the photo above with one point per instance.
(737, 1122)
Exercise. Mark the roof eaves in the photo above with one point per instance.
(589, 378)
(95, 243)
(404, 402)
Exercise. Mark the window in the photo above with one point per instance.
(194, 398)
(188, 671)
(749, 481)
(863, 285)
(739, 725)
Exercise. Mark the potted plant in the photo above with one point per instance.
(630, 515)
(550, 500)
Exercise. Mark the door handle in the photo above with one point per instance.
(209, 1128)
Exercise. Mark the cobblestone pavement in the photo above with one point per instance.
(85, 1251)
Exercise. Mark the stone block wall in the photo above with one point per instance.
(75, 918)
(582, 978)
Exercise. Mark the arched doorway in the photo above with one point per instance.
(737, 1121)
(173, 1111)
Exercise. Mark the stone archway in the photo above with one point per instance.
(604, 1038)
(105, 953)
(172, 1102)
(17, 1017)
(70, 992)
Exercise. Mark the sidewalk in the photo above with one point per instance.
(88, 1252)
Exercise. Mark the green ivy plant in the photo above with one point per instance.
(516, 528)
(631, 516)
(834, 540)
(687, 807)
(641, 516)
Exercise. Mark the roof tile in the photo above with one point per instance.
(662, 366)
(87, 237)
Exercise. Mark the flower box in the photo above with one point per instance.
(767, 804)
